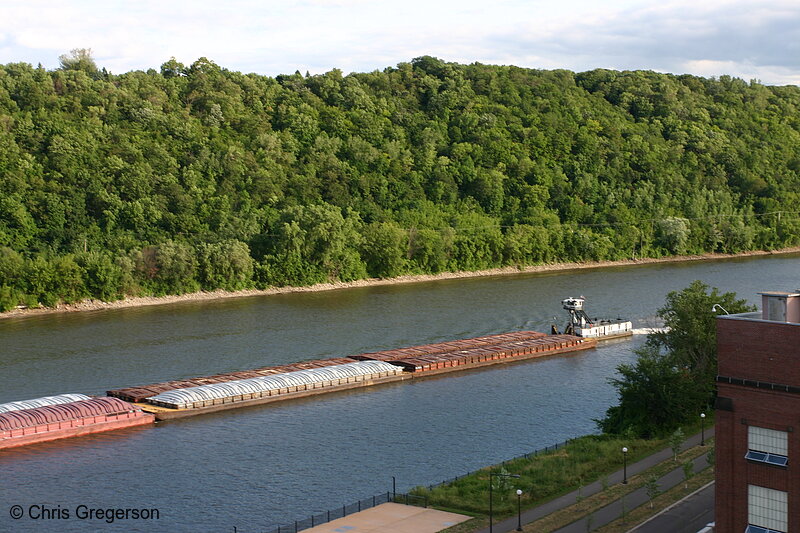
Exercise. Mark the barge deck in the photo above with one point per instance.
(411, 363)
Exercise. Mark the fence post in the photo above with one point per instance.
(344, 510)
(329, 515)
(312, 520)
(373, 500)
(359, 506)
(295, 526)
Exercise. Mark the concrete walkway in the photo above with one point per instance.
(392, 518)
(614, 510)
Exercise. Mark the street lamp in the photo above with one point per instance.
(519, 510)
(624, 465)
(702, 429)
(500, 474)
(717, 306)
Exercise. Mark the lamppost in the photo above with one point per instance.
(499, 474)
(715, 307)
(624, 465)
(702, 429)
(519, 510)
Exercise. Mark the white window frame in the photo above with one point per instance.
(768, 440)
(768, 446)
(767, 508)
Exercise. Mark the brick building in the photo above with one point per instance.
(758, 418)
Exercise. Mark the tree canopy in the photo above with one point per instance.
(672, 380)
(188, 177)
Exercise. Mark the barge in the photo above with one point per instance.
(22, 426)
(195, 396)
(72, 415)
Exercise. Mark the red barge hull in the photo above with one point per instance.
(73, 428)
(42, 424)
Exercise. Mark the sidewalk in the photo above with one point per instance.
(614, 510)
(393, 517)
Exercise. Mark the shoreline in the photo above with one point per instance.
(143, 301)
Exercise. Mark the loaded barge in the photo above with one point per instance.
(72, 415)
(59, 417)
(196, 396)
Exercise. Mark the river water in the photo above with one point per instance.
(256, 468)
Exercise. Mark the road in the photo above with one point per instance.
(687, 516)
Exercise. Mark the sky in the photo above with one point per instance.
(749, 39)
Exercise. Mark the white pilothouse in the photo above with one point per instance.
(581, 325)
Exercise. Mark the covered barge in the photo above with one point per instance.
(181, 398)
(19, 427)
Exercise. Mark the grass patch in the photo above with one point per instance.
(542, 477)
(470, 526)
(587, 506)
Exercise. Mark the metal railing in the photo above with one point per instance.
(345, 510)
(385, 497)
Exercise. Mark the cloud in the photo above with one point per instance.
(745, 38)
(737, 38)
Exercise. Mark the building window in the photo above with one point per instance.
(756, 529)
(767, 510)
(767, 446)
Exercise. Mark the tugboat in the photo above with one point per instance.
(581, 325)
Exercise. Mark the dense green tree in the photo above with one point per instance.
(102, 276)
(78, 59)
(655, 397)
(423, 167)
(689, 335)
(226, 265)
(385, 249)
(673, 377)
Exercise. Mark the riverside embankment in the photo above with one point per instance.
(96, 305)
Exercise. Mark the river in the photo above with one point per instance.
(259, 467)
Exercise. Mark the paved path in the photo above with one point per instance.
(392, 518)
(614, 510)
(630, 501)
(689, 515)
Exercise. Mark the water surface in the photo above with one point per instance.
(259, 467)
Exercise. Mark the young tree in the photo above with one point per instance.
(688, 472)
(675, 442)
(652, 488)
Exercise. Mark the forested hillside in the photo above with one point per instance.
(196, 177)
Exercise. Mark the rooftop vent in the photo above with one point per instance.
(780, 306)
